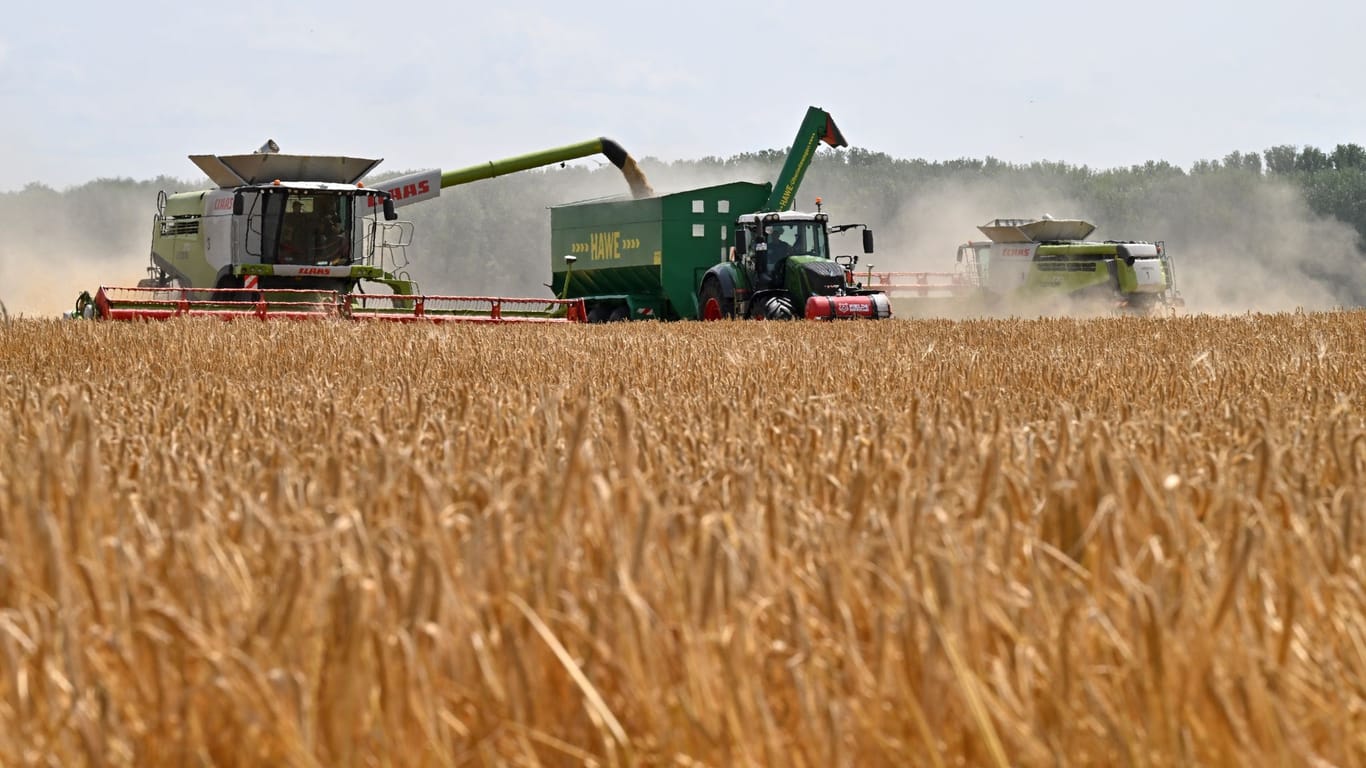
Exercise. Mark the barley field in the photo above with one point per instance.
(1057, 542)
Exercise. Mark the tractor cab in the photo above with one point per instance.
(765, 241)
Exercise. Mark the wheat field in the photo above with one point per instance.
(997, 542)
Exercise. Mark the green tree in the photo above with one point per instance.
(1348, 156)
(1281, 159)
(1313, 160)
(1250, 161)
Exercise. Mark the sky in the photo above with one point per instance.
(128, 90)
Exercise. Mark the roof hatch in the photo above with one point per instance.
(261, 168)
(1036, 230)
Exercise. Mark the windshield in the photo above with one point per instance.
(314, 228)
(797, 238)
(983, 253)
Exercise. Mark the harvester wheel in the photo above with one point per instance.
(598, 314)
(620, 313)
(231, 282)
(713, 305)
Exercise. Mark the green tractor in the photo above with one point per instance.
(782, 268)
(1047, 263)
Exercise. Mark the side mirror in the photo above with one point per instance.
(741, 242)
(760, 259)
(239, 204)
(867, 241)
(389, 213)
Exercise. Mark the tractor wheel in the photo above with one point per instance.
(620, 313)
(712, 304)
(777, 308)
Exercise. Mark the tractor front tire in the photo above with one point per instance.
(777, 308)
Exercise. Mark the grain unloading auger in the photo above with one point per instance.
(302, 236)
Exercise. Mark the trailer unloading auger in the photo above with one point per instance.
(298, 235)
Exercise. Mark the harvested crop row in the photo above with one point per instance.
(986, 542)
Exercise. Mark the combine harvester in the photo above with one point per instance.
(1041, 266)
(728, 251)
(301, 236)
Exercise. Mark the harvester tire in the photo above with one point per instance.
(620, 313)
(229, 282)
(598, 314)
(711, 292)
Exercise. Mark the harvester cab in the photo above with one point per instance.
(274, 222)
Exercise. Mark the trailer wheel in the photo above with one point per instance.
(712, 304)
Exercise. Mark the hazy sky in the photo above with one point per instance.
(128, 89)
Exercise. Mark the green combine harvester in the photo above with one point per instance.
(303, 236)
(1048, 264)
(732, 250)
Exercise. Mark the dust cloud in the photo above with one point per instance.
(58, 244)
(1243, 243)
(64, 275)
(925, 232)
(1240, 242)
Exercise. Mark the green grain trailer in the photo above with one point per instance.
(641, 259)
(733, 250)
